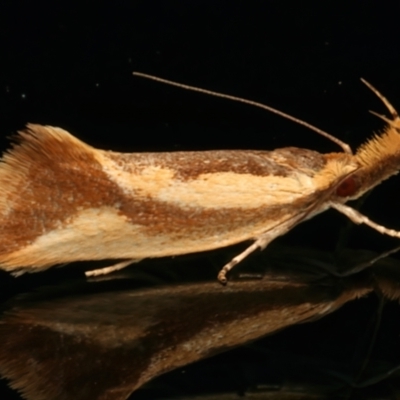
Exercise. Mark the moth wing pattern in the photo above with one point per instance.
(67, 201)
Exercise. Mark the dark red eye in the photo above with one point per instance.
(347, 187)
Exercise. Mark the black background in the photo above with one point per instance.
(70, 65)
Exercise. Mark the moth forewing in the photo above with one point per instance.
(144, 205)
(65, 201)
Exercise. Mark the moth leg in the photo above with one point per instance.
(111, 268)
(359, 218)
(260, 243)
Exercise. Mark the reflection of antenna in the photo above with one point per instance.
(344, 146)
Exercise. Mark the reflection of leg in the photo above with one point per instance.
(366, 264)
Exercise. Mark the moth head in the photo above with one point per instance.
(379, 157)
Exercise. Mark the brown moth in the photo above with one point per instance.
(63, 200)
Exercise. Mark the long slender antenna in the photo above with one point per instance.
(395, 121)
(382, 98)
(346, 148)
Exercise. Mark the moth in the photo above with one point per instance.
(64, 201)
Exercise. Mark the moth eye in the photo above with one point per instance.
(347, 187)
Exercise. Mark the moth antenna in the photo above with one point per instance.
(346, 148)
(383, 99)
(384, 118)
